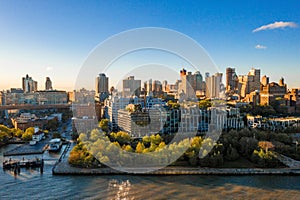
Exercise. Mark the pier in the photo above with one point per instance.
(27, 149)
(16, 165)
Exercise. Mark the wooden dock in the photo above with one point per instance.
(16, 165)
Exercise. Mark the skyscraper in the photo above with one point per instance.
(131, 87)
(102, 87)
(28, 84)
(249, 83)
(213, 86)
(190, 83)
(48, 84)
(231, 79)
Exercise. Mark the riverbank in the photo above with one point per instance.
(177, 171)
(63, 168)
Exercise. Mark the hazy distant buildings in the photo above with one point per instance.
(43, 97)
(51, 97)
(28, 84)
(153, 88)
(131, 87)
(48, 84)
(82, 96)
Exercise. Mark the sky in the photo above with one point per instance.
(54, 38)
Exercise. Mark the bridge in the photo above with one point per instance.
(34, 107)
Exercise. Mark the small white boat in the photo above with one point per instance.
(55, 144)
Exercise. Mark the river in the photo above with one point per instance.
(30, 184)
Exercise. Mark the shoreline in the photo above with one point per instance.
(63, 168)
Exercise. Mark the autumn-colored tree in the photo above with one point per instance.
(127, 148)
(139, 147)
(265, 145)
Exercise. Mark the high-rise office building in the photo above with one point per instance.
(148, 86)
(265, 80)
(249, 83)
(48, 84)
(190, 83)
(28, 84)
(102, 86)
(213, 86)
(231, 79)
(131, 87)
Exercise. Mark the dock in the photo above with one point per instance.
(27, 149)
(16, 165)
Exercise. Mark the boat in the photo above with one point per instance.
(55, 145)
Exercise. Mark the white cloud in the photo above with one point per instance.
(276, 25)
(49, 68)
(259, 46)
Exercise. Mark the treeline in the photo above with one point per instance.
(257, 146)
(7, 134)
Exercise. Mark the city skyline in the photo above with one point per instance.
(53, 39)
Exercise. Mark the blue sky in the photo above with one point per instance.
(53, 38)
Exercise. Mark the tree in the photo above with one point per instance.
(265, 145)
(140, 147)
(128, 148)
(3, 136)
(146, 140)
(173, 105)
(247, 145)
(27, 136)
(155, 139)
(52, 124)
(19, 133)
(231, 153)
(103, 124)
(203, 104)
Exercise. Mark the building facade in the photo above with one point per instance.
(231, 79)
(249, 83)
(272, 91)
(214, 86)
(102, 87)
(131, 87)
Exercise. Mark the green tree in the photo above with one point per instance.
(52, 124)
(155, 139)
(203, 104)
(103, 124)
(27, 136)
